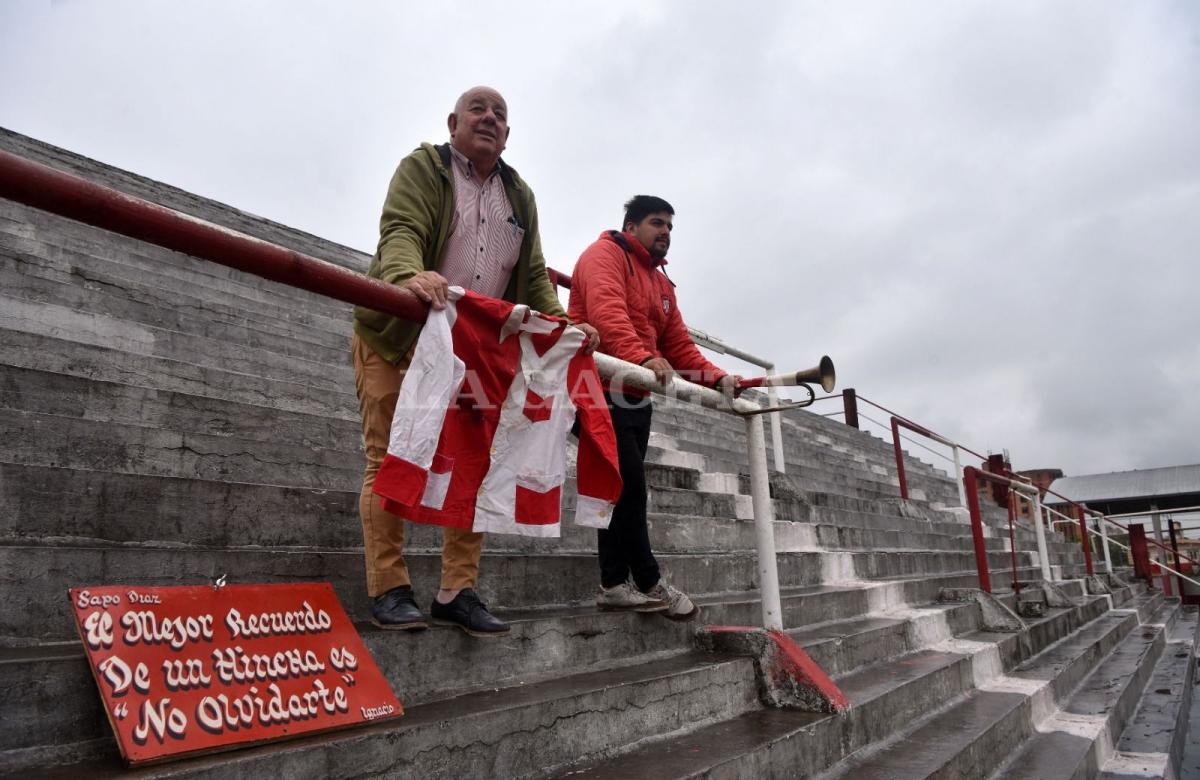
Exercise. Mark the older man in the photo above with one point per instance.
(455, 214)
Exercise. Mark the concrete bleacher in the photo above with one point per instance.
(166, 421)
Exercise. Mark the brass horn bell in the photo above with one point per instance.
(822, 374)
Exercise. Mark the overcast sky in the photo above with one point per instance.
(988, 214)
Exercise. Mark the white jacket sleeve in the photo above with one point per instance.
(433, 379)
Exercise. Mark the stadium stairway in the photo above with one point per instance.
(166, 421)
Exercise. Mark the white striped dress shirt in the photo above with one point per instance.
(485, 238)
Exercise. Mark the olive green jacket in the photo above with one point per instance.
(416, 220)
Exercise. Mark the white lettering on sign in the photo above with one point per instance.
(301, 621)
(159, 721)
(98, 630)
(119, 676)
(144, 627)
(217, 713)
(184, 674)
(86, 599)
(371, 713)
(342, 660)
(233, 664)
(142, 598)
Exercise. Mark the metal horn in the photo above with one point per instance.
(822, 374)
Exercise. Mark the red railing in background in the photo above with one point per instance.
(558, 277)
(971, 477)
(1087, 540)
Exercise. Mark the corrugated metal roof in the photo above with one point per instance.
(1142, 483)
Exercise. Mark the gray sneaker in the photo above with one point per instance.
(625, 596)
(679, 606)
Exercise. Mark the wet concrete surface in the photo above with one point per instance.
(1190, 766)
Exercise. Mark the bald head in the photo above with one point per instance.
(479, 128)
(485, 92)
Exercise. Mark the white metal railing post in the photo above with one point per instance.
(629, 376)
(776, 428)
(764, 524)
(1156, 519)
(958, 479)
(1104, 541)
(1040, 530)
(709, 341)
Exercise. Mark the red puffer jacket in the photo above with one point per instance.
(618, 289)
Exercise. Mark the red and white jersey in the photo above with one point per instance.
(478, 439)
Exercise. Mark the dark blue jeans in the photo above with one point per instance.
(625, 546)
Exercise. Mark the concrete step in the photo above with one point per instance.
(884, 699)
(92, 359)
(91, 290)
(893, 514)
(29, 232)
(726, 439)
(835, 477)
(817, 469)
(860, 537)
(70, 505)
(833, 432)
(844, 646)
(1153, 742)
(55, 320)
(966, 738)
(221, 301)
(63, 442)
(516, 731)
(806, 432)
(37, 576)
(801, 436)
(58, 504)
(54, 394)
(1075, 740)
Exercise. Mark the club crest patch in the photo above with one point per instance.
(666, 305)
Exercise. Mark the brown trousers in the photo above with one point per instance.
(378, 384)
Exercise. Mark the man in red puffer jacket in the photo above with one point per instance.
(620, 288)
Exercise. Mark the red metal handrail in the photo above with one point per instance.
(1086, 539)
(971, 477)
(70, 196)
(559, 278)
(897, 424)
(963, 447)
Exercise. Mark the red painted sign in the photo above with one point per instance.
(184, 670)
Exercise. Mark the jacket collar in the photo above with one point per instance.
(506, 173)
(633, 249)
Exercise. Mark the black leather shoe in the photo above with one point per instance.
(397, 609)
(468, 613)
